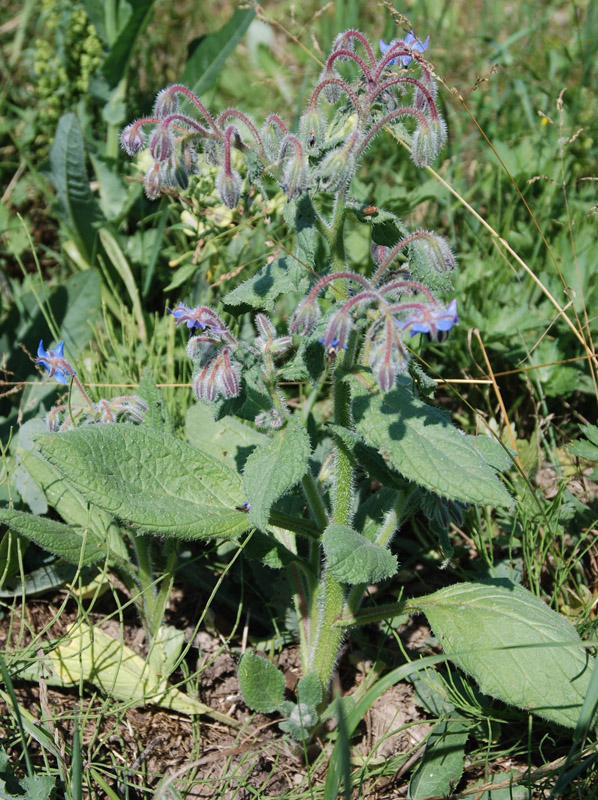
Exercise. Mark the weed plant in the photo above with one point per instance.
(277, 467)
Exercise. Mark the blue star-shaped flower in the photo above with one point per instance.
(188, 315)
(54, 362)
(412, 42)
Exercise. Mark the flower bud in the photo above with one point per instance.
(265, 327)
(312, 127)
(332, 91)
(273, 419)
(161, 144)
(427, 142)
(379, 253)
(213, 152)
(336, 170)
(305, 317)
(166, 103)
(152, 181)
(430, 252)
(337, 331)
(132, 139)
(229, 375)
(229, 187)
(296, 177)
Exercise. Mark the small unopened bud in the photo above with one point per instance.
(379, 253)
(337, 331)
(161, 144)
(332, 91)
(336, 170)
(431, 252)
(166, 103)
(229, 376)
(305, 317)
(189, 157)
(385, 376)
(296, 177)
(273, 419)
(312, 127)
(427, 142)
(132, 139)
(213, 152)
(265, 327)
(152, 182)
(229, 187)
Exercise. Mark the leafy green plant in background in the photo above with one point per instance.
(291, 470)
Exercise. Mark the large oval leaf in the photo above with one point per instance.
(516, 647)
(150, 479)
(422, 444)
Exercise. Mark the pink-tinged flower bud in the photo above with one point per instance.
(265, 327)
(152, 182)
(161, 144)
(273, 419)
(337, 331)
(230, 383)
(189, 157)
(166, 103)
(204, 383)
(229, 187)
(385, 376)
(132, 139)
(305, 317)
(379, 253)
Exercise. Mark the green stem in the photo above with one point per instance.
(146, 580)
(328, 636)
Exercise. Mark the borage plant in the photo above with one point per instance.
(319, 442)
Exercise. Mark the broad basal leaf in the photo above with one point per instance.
(516, 647)
(62, 540)
(273, 468)
(354, 559)
(422, 444)
(261, 683)
(150, 479)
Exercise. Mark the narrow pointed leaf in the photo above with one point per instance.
(441, 766)
(56, 537)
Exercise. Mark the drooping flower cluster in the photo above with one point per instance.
(316, 157)
(395, 303)
(69, 415)
(212, 352)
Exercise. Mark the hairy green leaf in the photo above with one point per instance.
(309, 690)
(62, 540)
(441, 766)
(286, 275)
(150, 479)
(69, 176)
(261, 683)
(422, 444)
(228, 439)
(273, 468)
(354, 559)
(516, 647)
